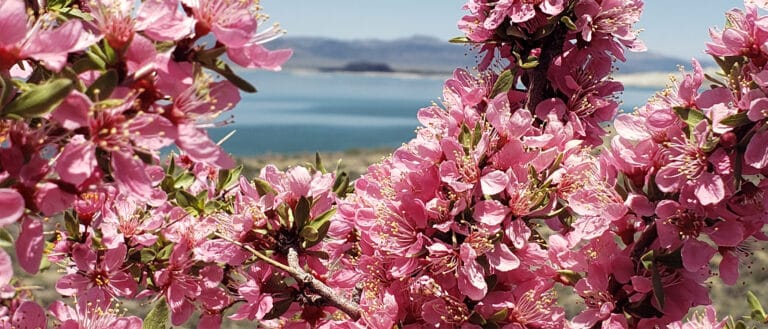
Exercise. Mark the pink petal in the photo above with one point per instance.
(199, 147)
(502, 259)
(756, 154)
(729, 233)
(642, 284)
(153, 132)
(123, 284)
(256, 56)
(696, 254)
(51, 199)
(6, 268)
(11, 206)
(471, 275)
(223, 96)
(729, 268)
(72, 113)
(709, 189)
(161, 21)
(130, 175)
(181, 308)
(52, 46)
(113, 258)
(490, 212)
(76, 162)
(29, 246)
(72, 284)
(494, 182)
(29, 315)
(13, 21)
(129, 322)
(631, 127)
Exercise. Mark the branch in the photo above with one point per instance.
(646, 239)
(293, 268)
(334, 299)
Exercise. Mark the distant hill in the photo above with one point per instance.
(423, 54)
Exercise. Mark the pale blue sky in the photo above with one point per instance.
(672, 27)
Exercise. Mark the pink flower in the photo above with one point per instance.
(745, 35)
(611, 20)
(257, 303)
(705, 320)
(92, 311)
(115, 131)
(103, 274)
(688, 168)
(158, 19)
(179, 287)
(11, 206)
(28, 315)
(41, 39)
(234, 23)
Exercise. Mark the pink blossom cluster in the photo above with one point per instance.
(560, 51)
(499, 198)
(90, 93)
(501, 202)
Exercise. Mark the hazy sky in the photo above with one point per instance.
(672, 27)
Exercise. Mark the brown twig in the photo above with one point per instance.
(332, 297)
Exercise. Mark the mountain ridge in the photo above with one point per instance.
(420, 53)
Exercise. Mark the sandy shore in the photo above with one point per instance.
(354, 161)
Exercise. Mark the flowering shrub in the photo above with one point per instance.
(503, 198)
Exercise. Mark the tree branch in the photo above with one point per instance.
(332, 297)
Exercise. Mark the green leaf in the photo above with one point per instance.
(736, 120)
(263, 187)
(103, 86)
(6, 239)
(184, 180)
(228, 177)
(319, 163)
(499, 316)
(568, 23)
(158, 316)
(222, 68)
(530, 62)
(690, 116)
(341, 184)
(147, 255)
(96, 59)
(301, 213)
(164, 253)
(321, 224)
(504, 83)
(110, 55)
(210, 55)
(309, 234)
(40, 99)
(185, 199)
(6, 90)
(647, 259)
(460, 40)
(758, 313)
(72, 225)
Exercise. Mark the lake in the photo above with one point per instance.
(301, 111)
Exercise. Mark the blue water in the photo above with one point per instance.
(308, 112)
